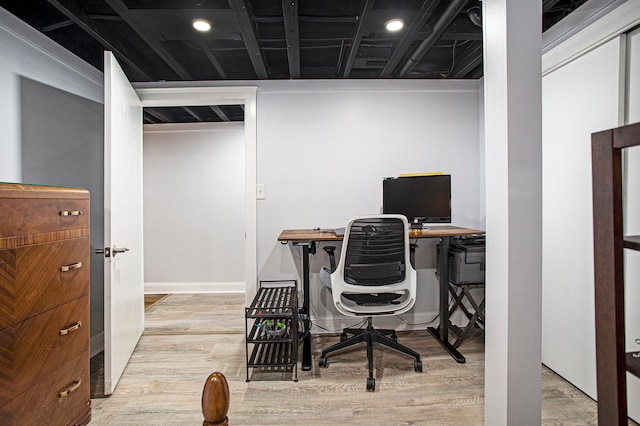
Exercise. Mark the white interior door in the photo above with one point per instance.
(123, 270)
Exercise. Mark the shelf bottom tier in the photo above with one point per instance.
(281, 354)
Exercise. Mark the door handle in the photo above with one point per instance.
(117, 250)
(107, 251)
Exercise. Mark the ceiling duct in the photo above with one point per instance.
(438, 29)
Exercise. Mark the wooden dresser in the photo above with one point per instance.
(44, 305)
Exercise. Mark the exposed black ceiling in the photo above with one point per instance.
(270, 39)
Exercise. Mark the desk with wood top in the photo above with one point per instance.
(307, 238)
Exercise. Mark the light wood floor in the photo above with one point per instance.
(152, 299)
(189, 336)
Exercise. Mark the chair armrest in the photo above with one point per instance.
(332, 257)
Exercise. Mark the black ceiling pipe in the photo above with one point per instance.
(438, 28)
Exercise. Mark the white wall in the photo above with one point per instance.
(26, 53)
(324, 148)
(194, 207)
(62, 144)
(51, 119)
(482, 207)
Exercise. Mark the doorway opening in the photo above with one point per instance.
(194, 205)
(154, 95)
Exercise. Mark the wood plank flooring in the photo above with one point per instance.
(151, 299)
(189, 336)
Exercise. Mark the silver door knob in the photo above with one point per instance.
(117, 250)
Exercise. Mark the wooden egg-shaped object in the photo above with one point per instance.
(215, 400)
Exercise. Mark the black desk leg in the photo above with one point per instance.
(442, 332)
(306, 343)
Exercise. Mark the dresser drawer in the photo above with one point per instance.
(60, 398)
(41, 345)
(40, 277)
(28, 216)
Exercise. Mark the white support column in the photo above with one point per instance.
(513, 137)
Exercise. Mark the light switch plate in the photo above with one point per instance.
(261, 191)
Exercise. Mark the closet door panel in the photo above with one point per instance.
(631, 218)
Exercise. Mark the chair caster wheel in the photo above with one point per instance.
(343, 337)
(322, 361)
(417, 366)
(371, 384)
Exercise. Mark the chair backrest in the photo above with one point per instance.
(374, 275)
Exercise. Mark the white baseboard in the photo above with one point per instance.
(194, 287)
(96, 345)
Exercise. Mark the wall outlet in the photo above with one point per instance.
(261, 191)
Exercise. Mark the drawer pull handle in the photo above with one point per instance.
(67, 268)
(74, 327)
(71, 388)
(70, 213)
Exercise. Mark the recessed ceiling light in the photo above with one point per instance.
(201, 25)
(394, 25)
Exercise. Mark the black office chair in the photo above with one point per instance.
(374, 277)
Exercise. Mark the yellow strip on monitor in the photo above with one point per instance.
(419, 174)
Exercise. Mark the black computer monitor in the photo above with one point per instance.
(422, 199)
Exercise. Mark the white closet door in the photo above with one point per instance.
(578, 99)
(632, 219)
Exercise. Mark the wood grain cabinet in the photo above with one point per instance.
(44, 305)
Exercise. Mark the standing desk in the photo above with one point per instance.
(307, 239)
